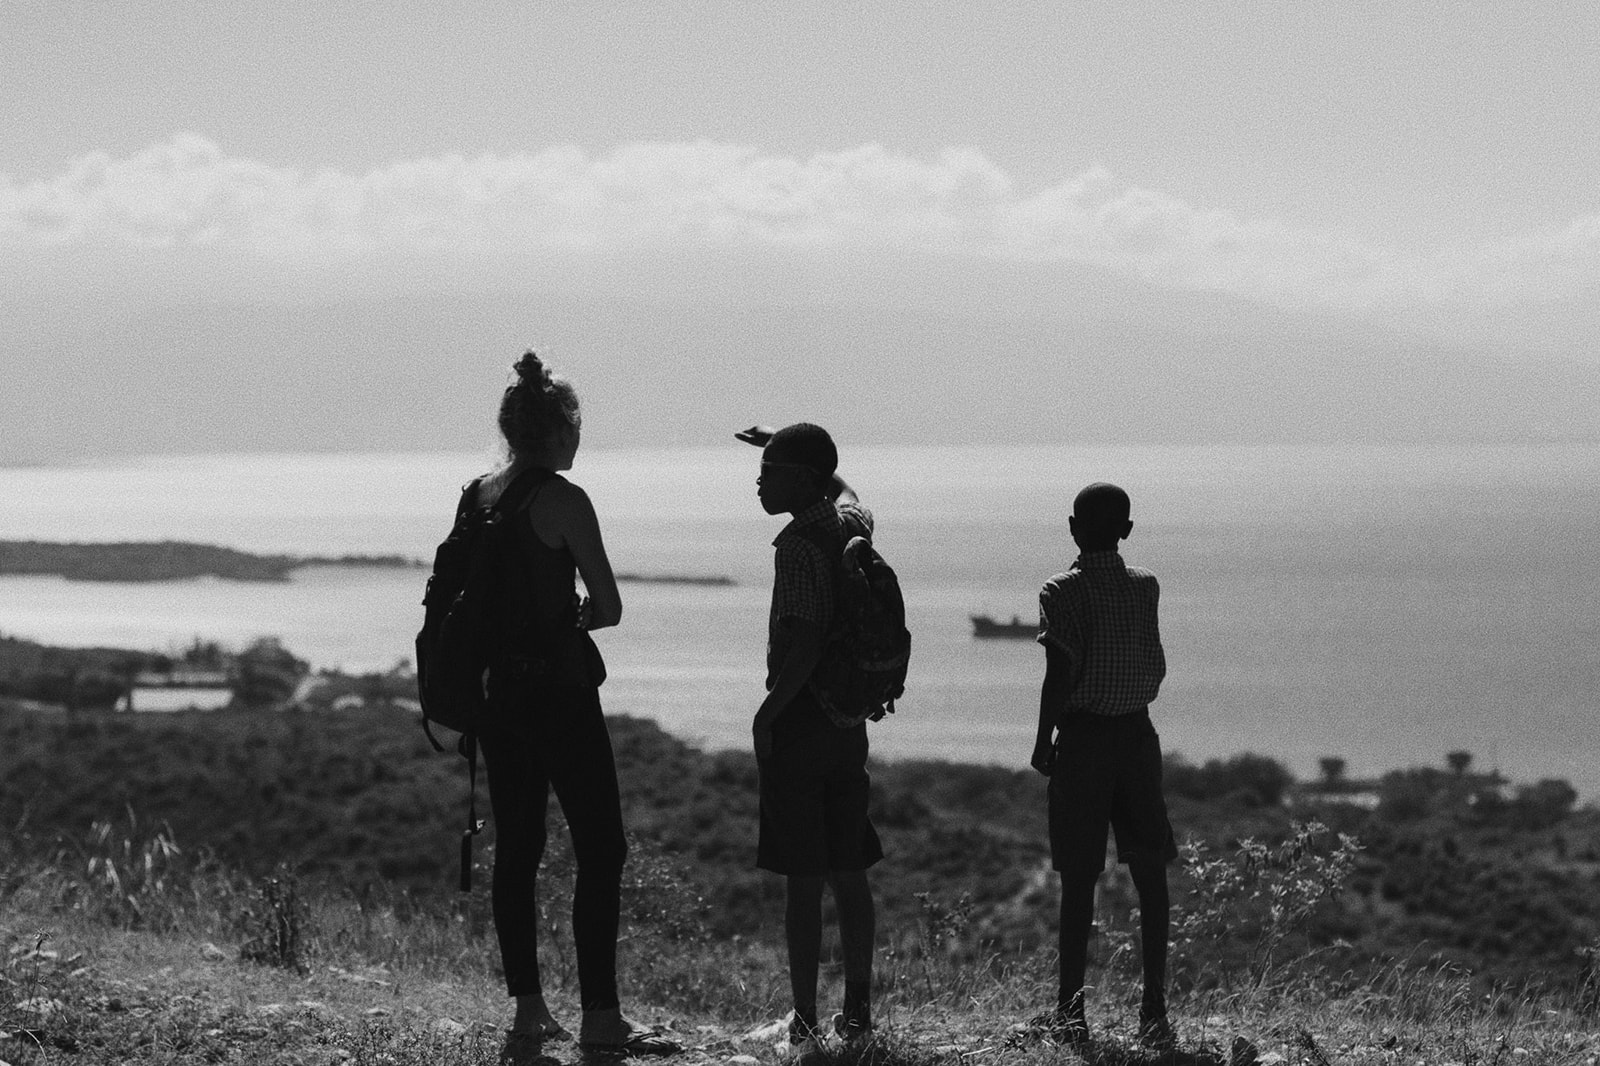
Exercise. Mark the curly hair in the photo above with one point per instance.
(536, 406)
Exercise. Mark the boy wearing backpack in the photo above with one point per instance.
(1103, 666)
(814, 784)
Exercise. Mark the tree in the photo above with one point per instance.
(1544, 804)
(1459, 762)
(1332, 770)
(266, 673)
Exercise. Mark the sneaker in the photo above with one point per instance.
(805, 1044)
(806, 1051)
(852, 1032)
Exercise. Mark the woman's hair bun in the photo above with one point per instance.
(530, 370)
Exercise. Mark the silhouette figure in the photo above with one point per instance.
(1103, 666)
(814, 785)
(547, 729)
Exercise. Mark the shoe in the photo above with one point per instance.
(549, 1032)
(805, 1043)
(607, 1032)
(1061, 1026)
(852, 1032)
(1155, 1032)
(807, 1051)
(522, 1047)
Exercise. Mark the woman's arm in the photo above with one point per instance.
(578, 528)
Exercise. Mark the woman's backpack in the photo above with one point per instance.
(464, 606)
(464, 613)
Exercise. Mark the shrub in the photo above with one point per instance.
(1243, 906)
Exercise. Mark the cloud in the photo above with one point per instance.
(188, 194)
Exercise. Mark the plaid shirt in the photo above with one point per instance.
(802, 586)
(1102, 615)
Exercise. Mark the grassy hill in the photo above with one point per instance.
(277, 887)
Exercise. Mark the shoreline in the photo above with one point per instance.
(148, 562)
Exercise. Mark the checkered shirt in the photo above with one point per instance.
(802, 586)
(1102, 615)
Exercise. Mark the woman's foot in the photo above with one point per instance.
(607, 1031)
(533, 1021)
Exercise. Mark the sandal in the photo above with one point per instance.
(638, 1042)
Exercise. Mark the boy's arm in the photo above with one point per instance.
(1052, 696)
(805, 651)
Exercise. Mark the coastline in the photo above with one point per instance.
(176, 560)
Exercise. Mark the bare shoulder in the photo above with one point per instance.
(563, 497)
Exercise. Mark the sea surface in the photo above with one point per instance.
(1382, 604)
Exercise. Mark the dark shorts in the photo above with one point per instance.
(1107, 775)
(814, 804)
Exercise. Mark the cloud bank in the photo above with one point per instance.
(187, 194)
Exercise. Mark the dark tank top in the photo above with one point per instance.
(550, 574)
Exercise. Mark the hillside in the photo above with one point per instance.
(359, 800)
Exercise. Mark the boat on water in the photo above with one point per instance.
(987, 628)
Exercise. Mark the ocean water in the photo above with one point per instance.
(1386, 605)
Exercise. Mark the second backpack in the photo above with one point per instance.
(863, 666)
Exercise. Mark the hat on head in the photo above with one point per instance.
(804, 444)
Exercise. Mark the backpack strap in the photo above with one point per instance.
(523, 488)
(468, 746)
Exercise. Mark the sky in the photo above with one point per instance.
(1389, 152)
(1425, 168)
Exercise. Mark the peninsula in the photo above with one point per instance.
(167, 560)
(176, 560)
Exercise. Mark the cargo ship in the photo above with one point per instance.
(987, 628)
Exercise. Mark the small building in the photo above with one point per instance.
(180, 690)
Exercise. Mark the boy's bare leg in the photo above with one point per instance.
(852, 894)
(1150, 882)
(802, 922)
(1077, 917)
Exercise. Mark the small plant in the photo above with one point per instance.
(1588, 991)
(277, 924)
(127, 872)
(1256, 898)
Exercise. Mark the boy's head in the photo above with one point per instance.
(1100, 517)
(796, 466)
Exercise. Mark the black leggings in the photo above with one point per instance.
(565, 747)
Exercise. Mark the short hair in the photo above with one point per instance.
(1102, 506)
(805, 444)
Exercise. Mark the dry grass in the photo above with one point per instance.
(127, 950)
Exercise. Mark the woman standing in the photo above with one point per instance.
(548, 729)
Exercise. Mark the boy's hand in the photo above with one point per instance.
(1044, 756)
(757, 435)
(761, 732)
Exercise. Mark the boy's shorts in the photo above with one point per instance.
(814, 804)
(1107, 774)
